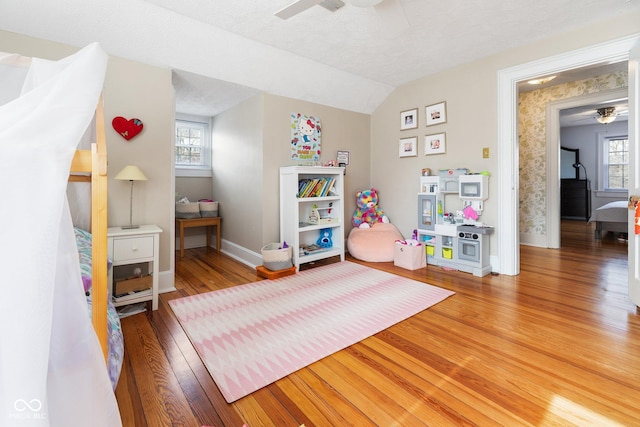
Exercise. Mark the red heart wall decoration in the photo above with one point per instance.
(127, 128)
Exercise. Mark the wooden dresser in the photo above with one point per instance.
(575, 199)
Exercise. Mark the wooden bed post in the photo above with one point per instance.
(99, 229)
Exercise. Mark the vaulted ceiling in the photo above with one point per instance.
(351, 58)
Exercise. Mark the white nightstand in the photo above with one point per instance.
(129, 249)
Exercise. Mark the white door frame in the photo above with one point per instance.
(634, 171)
(616, 50)
(553, 153)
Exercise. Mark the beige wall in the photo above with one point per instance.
(238, 174)
(470, 92)
(341, 130)
(254, 139)
(131, 90)
(194, 188)
(251, 142)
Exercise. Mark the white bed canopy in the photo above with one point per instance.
(51, 365)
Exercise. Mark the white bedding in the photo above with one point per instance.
(611, 212)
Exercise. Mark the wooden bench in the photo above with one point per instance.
(182, 223)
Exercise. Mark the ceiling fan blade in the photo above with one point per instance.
(296, 7)
(332, 5)
(393, 13)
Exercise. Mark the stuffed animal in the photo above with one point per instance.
(367, 210)
(325, 241)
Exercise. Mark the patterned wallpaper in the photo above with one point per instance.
(532, 150)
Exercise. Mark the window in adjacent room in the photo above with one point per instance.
(614, 167)
(193, 146)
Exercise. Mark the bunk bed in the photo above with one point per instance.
(52, 357)
(90, 166)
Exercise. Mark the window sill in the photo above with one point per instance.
(193, 173)
(613, 194)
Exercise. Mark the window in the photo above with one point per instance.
(615, 163)
(193, 147)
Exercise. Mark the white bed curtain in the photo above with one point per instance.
(52, 372)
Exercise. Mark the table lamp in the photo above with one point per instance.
(130, 173)
(579, 165)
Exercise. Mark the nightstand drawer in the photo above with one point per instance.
(132, 248)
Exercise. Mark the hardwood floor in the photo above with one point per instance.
(558, 344)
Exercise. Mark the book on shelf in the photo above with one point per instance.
(323, 188)
(312, 191)
(312, 249)
(330, 186)
(315, 187)
(305, 186)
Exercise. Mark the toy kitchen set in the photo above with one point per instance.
(449, 226)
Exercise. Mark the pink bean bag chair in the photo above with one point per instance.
(373, 244)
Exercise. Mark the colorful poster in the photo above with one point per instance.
(306, 136)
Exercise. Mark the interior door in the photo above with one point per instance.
(634, 171)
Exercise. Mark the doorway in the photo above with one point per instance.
(508, 163)
(553, 141)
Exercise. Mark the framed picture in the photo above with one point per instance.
(343, 157)
(436, 113)
(434, 144)
(409, 147)
(409, 119)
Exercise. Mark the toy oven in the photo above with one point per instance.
(469, 246)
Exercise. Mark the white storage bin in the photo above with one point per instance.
(208, 209)
(188, 210)
(275, 257)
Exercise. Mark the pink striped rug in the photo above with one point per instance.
(251, 335)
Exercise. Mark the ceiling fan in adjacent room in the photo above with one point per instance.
(607, 114)
(301, 5)
(590, 114)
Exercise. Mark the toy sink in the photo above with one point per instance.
(446, 229)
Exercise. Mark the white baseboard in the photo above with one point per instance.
(166, 281)
(241, 254)
(533, 240)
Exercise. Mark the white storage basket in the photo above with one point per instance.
(275, 257)
(188, 210)
(208, 209)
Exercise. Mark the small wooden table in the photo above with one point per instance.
(182, 223)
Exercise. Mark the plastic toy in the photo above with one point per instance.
(325, 239)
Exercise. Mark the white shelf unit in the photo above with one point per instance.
(295, 228)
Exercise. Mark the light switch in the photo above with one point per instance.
(485, 153)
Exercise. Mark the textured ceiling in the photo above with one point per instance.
(351, 58)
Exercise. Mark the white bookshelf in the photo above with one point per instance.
(295, 226)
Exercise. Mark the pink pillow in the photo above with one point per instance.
(373, 244)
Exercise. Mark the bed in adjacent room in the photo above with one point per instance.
(613, 216)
